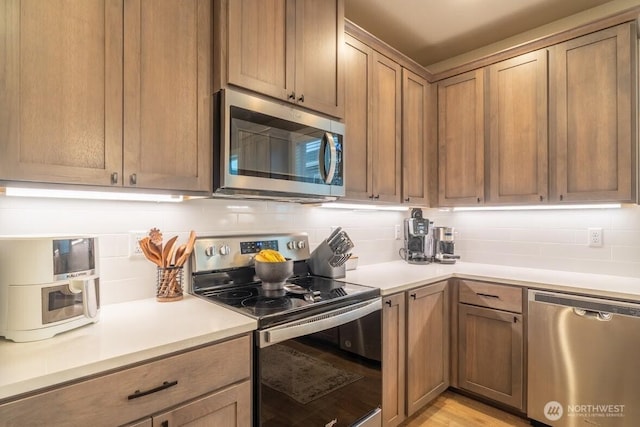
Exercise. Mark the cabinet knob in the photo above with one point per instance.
(414, 296)
(133, 179)
(292, 95)
(371, 196)
(388, 302)
(541, 198)
(376, 197)
(478, 199)
(165, 423)
(407, 199)
(114, 178)
(301, 99)
(561, 197)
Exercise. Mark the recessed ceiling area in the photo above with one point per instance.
(430, 31)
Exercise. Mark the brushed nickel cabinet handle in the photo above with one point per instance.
(301, 99)
(292, 95)
(114, 178)
(133, 179)
(487, 295)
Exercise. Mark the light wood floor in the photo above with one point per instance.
(454, 410)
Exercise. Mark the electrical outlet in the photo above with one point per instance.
(134, 247)
(397, 232)
(595, 237)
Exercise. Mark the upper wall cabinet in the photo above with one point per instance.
(287, 49)
(70, 73)
(593, 85)
(461, 139)
(373, 123)
(418, 146)
(517, 146)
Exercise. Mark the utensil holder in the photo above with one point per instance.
(169, 284)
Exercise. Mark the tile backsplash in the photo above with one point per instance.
(542, 239)
(123, 278)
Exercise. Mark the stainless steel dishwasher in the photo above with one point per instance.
(583, 361)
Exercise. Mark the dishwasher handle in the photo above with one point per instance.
(601, 316)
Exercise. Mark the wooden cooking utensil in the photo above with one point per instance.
(167, 251)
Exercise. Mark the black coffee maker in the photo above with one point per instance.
(418, 242)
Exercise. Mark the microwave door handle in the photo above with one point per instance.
(328, 142)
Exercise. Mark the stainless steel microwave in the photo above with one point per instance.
(270, 149)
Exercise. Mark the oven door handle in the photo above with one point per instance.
(317, 323)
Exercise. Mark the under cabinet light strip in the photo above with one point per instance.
(537, 207)
(92, 195)
(358, 207)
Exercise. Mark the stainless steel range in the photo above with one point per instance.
(318, 344)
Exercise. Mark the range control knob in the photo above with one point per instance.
(291, 245)
(210, 251)
(301, 244)
(225, 250)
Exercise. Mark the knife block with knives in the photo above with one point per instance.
(330, 257)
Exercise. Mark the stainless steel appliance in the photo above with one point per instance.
(583, 360)
(444, 243)
(269, 149)
(418, 239)
(307, 371)
(48, 285)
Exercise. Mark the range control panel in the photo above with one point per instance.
(215, 253)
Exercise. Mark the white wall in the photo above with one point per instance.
(554, 240)
(123, 278)
(542, 239)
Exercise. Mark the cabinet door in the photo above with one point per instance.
(593, 116)
(416, 141)
(490, 351)
(230, 407)
(386, 128)
(517, 158)
(167, 103)
(358, 60)
(461, 139)
(393, 360)
(427, 344)
(61, 91)
(319, 36)
(261, 40)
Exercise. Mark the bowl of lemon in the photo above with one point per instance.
(273, 269)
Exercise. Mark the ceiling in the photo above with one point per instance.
(430, 31)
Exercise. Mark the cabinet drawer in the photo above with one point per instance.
(120, 397)
(490, 295)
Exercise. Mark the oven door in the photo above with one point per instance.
(304, 377)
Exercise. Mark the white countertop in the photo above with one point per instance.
(397, 276)
(126, 333)
(139, 330)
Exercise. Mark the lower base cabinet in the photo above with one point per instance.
(209, 385)
(415, 359)
(491, 342)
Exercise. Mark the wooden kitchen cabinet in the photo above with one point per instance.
(287, 49)
(427, 344)
(226, 408)
(211, 383)
(593, 117)
(418, 143)
(461, 139)
(373, 119)
(121, 99)
(393, 360)
(491, 342)
(516, 168)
